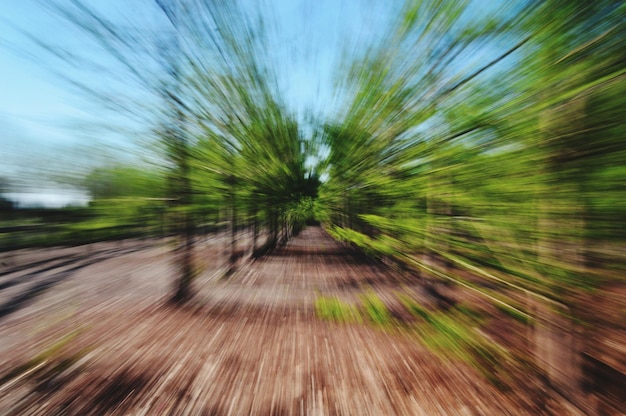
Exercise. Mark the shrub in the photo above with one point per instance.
(375, 309)
(333, 309)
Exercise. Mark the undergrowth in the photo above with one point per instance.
(333, 309)
(454, 334)
(375, 309)
(371, 309)
(451, 334)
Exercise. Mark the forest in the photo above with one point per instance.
(473, 151)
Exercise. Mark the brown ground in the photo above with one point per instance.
(88, 331)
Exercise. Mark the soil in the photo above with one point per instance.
(89, 331)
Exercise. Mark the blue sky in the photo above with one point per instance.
(45, 128)
(32, 106)
(38, 112)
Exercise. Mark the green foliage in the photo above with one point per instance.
(371, 246)
(124, 182)
(299, 213)
(375, 309)
(505, 168)
(452, 334)
(415, 308)
(371, 308)
(102, 220)
(495, 151)
(333, 309)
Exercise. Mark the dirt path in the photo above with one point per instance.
(102, 341)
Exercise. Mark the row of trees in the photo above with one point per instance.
(479, 146)
(224, 144)
(511, 163)
(488, 140)
(488, 151)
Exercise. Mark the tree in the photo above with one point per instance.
(196, 75)
(503, 168)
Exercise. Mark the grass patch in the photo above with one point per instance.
(333, 309)
(414, 308)
(451, 334)
(375, 309)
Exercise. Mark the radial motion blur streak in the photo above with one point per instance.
(349, 207)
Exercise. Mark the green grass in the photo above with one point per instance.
(333, 309)
(414, 308)
(375, 310)
(371, 308)
(451, 335)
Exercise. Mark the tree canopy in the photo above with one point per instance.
(485, 139)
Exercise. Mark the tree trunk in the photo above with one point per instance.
(232, 259)
(255, 232)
